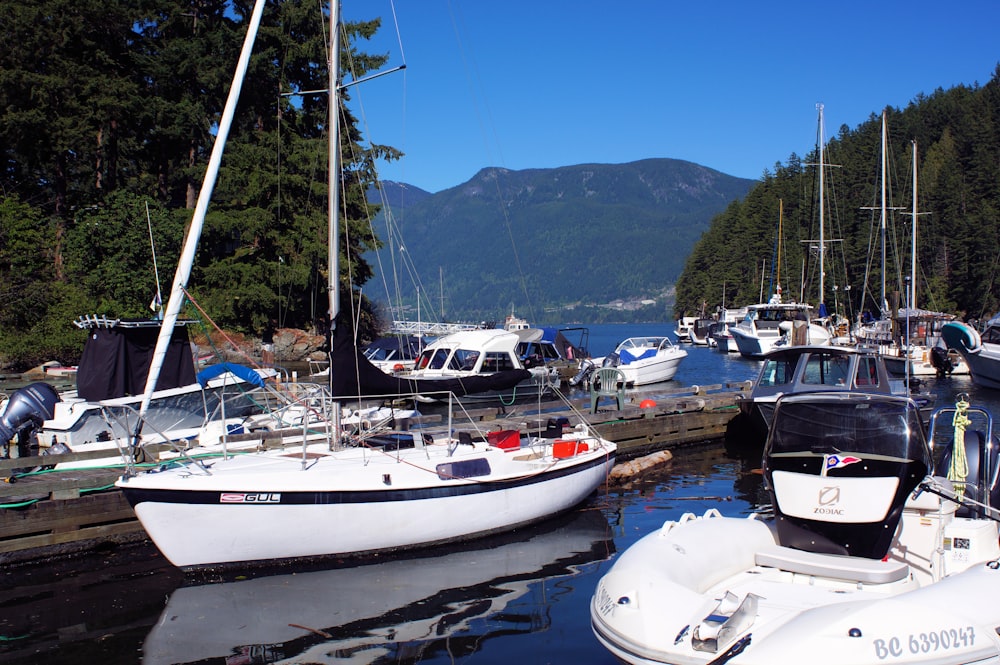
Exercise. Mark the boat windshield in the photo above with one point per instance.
(875, 427)
(777, 371)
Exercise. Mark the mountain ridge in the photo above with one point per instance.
(546, 241)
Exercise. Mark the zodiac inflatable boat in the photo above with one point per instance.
(870, 558)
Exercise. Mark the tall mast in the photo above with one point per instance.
(333, 199)
(882, 220)
(913, 239)
(822, 211)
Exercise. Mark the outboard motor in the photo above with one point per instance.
(840, 467)
(611, 360)
(940, 360)
(27, 409)
(975, 457)
(587, 368)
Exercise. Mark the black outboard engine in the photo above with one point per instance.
(26, 410)
(974, 441)
(940, 360)
(611, 360)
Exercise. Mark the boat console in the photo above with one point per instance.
(841, 467)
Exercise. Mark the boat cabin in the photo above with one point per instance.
(471, 352)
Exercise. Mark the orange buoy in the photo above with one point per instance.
(398, 367)
(647, 404)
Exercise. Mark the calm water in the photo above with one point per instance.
(518, 598)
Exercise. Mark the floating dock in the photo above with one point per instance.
(53, 513)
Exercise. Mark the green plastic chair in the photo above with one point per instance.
(607, 382)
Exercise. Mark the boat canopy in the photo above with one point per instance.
(117, 356)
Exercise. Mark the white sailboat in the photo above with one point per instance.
(353, 493)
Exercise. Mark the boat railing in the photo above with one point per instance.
(975, 427)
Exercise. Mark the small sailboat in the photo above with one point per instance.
(353, 491)
(881, 549)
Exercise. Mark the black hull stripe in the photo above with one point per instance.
(137, 495)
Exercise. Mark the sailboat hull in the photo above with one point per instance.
(357, 500)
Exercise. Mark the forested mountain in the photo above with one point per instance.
(547, 239)
(957, 134)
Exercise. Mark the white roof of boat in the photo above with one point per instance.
(780, 305)
(484, 338)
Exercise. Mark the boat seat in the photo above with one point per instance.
(607, 382)
(832, 566)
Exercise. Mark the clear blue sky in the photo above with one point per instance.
(730, 84)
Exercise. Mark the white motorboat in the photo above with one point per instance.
(644, 360)
(684, 325)
(482, 353)
(720, 337)
(109, 381)
(380, 610)
(351, 493)
(775, 323)
(869, 558)
(981, 352)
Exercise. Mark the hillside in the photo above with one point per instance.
(957, 134)
(544, 240)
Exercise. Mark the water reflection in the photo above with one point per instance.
(401, 610)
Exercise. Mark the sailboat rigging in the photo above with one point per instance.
(356, 492)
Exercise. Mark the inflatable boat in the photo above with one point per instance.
(872, 555)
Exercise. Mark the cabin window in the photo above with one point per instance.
(438, 359)
(826, 370)
(464, 360)
(497, 362)
(777, 372)
(867, 372)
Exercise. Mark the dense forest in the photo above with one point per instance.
(107, 116)
(957, 137)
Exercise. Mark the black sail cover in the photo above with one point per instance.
(353, 375)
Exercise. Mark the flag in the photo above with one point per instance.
(155, 303)
(839, 461)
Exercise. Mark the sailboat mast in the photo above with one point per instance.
(913, 240)
(333, 199)
(822, 211)
(186, 260)
(882, 221)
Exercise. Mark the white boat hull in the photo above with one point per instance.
(648, 606)
(655, 370)
(644, 360)
(753, 344)
(982, 358)
(355, 500)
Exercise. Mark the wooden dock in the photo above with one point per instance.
(54, 513)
